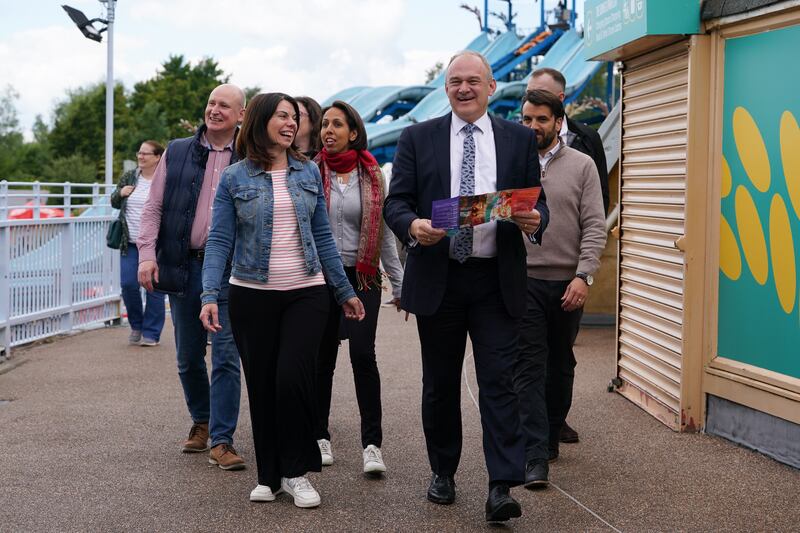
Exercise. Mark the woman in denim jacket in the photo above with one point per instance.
(270, 215)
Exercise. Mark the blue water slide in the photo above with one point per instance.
(344, 94)
(504, 44)
(479, 44)
(383, 137)
(513, 59)
(579, 73)
(375, 103)
(566, 56)
(393, 100)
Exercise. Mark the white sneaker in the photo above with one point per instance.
(325, 451)
(263, 493)
(373, 460)
(301, 490)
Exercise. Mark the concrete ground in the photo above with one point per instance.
(90, 439)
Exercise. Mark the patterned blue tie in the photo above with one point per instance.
(462, 244)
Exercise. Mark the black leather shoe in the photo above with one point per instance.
(500, 506)
(442, 490)
(568, 434)
(536, 474)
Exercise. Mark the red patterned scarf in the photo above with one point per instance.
(370, 179)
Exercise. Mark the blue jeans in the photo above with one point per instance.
(217, 403)
(150, 320)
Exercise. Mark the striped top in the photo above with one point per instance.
(287, 264)
(134, 206)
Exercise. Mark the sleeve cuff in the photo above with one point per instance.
(412, 242)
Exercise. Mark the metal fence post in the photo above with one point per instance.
(5, 291)
(5, 288)
(37, 199)
(3, 200)
(67, 264)
(55, 275)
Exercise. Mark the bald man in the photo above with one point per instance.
(174, 228)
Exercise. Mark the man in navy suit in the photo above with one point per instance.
(472, 283)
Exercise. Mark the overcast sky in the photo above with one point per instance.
(313, 47)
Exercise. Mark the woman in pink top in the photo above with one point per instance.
(271, 223)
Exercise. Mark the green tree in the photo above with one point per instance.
(75, 168)
(79, 125)
(20, 160)
(11, 140)
(9, 122)
(434, 71)
(180, 90)
(148, 124)
(250, 92)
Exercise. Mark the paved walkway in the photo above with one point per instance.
(89, 442)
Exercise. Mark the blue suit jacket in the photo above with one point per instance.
(421, 174)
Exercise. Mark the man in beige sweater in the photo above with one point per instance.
(559, 276)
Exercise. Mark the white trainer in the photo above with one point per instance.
(373, 460)
(325, 451)
(301, 490)
(263, 493)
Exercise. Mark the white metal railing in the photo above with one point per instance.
(56, 272)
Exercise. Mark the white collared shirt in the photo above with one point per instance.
(566, 135)
(545, 159)
(484, 236)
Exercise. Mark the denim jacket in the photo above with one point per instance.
(242, 223)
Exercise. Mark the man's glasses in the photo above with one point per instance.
(145, 153)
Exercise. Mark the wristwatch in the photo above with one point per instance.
(587, 278)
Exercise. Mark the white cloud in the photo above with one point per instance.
(312, 47)
(43, 64)
(274, 69)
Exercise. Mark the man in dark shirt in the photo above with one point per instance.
(576, 135)
(581, 138)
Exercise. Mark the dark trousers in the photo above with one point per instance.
(362, 358)
(472, 305)
(278, 335)
(545, 368)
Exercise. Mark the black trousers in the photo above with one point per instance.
(545, 369)
(362, 358)
(278, 334)
(472, 305)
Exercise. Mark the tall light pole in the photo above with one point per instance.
(110, 4)
(90, 32)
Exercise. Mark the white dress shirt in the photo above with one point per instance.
(566, 135)
(544, 160)
(484, 236)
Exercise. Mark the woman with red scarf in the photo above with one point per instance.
(354, 188)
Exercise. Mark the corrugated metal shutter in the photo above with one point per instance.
(653, 186)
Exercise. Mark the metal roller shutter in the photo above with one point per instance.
(653, 198)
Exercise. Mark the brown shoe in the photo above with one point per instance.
(225, 456)
(568, 434)
(198, 439)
